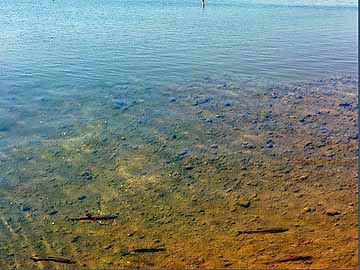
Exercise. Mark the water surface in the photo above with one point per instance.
(48, 44)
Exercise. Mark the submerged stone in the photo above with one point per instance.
(25, 208)
(201, 101)
(345, 105)
(245, 204)
(332, 212)
(54, 212)
(227, 103)
(87, 176)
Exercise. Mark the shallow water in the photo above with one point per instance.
(57, 48)
(181, 121)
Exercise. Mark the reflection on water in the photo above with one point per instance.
(158, 134)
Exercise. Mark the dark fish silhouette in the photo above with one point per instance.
(148, 250)
(94, 217)
(295, 258)
(52, 259)
(264, 230)
(143, 250)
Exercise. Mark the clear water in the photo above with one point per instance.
(172, 115)
(62, 48)
(66, 44)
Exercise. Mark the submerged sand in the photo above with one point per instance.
(211, 174)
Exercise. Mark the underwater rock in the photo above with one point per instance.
(122, 104)
(201, 101)
(119, 105)
(182, 154)
(87, 176)
(295, 189)
(249, 145)
(245, 204)
(227, 103)
(54, 212)
(82, 197)
(76, 239)
(345, 105)
(269, 143)
(108, 246)
(332, 212)
(25, 208)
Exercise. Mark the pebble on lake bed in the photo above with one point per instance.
(332, 212)
(25, 208)
(245, 204)
(308, 209)
(87, 176)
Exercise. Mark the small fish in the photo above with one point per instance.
(52, 259)
(143, 250)
(295, 258)
(264, 230)
(148, 250)
(94, 217)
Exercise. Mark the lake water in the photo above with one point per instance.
(191, 125)
(49, 44)
(63, 47)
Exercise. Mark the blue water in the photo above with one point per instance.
(53, 51)
(69, 44)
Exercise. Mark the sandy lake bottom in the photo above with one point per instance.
(208, 174)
